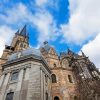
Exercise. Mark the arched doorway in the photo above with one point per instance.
(56, 98)
(75, 98)
(10, 96)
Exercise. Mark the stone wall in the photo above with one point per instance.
(33, 82)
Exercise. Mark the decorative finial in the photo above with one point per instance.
(83, 54)
(45, 42)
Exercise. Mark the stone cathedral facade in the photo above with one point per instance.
(42, 74)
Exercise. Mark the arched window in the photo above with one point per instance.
(24, 46)
(14, 76)
(54, 65)
(70, 79)
(65, 63)
(56, 98)
(10, 96)
(75, 98)
(53, 76)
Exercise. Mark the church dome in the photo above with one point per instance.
(23, 53)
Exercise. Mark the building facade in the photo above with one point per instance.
(42, 74)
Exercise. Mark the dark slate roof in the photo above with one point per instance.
(29, 51)
(17, 32)
(23, 31)
(46, 46)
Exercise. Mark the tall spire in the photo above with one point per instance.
(83, 54)
(70, 52)
(17, 32)
(23, 32)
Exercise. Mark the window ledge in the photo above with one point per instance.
(13, 81)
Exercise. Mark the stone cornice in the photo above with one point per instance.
(61, 68)
(31, 57)
(2, 59)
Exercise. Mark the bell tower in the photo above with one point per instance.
(20, 42)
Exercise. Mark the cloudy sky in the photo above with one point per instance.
(73, 24)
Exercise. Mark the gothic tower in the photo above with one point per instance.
(20, 42)
(62, 75)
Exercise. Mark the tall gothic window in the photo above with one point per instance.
(21, 45)
(54, 65)
(53, 76)
(46, 78)
(65, 63)
(14, 76)
(56, 98)
(75, 98)
(70, 79)
(10, 96)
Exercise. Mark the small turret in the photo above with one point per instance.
(21, 39)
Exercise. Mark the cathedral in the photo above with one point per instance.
(42, 74)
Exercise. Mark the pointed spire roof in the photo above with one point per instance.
(46, 46)
(17, 32)
(83, 54)
(23, 32)
(70, 51)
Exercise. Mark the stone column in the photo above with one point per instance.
(4, 85)
(25, 84)
(26, 74)
(44, 85)
(96, 97)
(34, 90)
(1, 79)
(19, 84)
(42, 97)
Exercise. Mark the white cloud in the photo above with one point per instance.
(92, 49)
(84, 25)
(6, 34)
(41, 2)
(46, 26)
(47, 3)
(20, 14)
(16, 14)
(13, 16)
(44, 21)
(84, 21)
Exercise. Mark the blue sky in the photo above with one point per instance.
(64, 24)
(57, 9)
